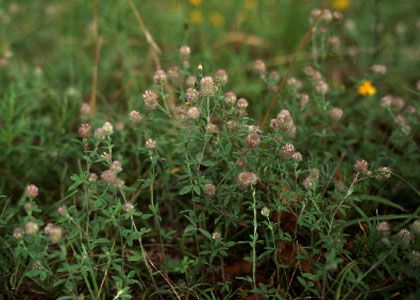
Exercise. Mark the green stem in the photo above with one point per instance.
(254, 240)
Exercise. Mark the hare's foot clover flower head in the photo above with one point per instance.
(31, 191)
(85, 130)
(108, 129)
(31, 228)
(212, 128)
(207, 87)
(18, 233)
(185, 52)
(150, 99)
(54, 232)
(150, 144)
(128, 207)
(230, 98)
(135, 117)
(193, 113)
(383, 228)
(335, 114)
(210, 190)
(192, 95)
(116, 166)
(259, 66)
(360, 166)
(159, 77)
(221, 77)
(242, 103)
(246, 179)
(253, 139)
(265, 211)
(108, 176)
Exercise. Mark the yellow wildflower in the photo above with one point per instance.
(251, 4)
(341, 4)
(216, 19)
(242, 16)
(196, 17)
(366, 88)
(195, 2)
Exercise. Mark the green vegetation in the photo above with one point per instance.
(244, 149)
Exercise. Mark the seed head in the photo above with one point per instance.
(135, 117)
(207, 87)
(253, 139)
(360, 166)
(108, 176)
(31, 228)
(150, 99)
(85, 130)
(335, 114)
(193, 113)
(210, 190)
(159, 77)
(221, 77)
(246, 179)
(31, 191)
(150, 144)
